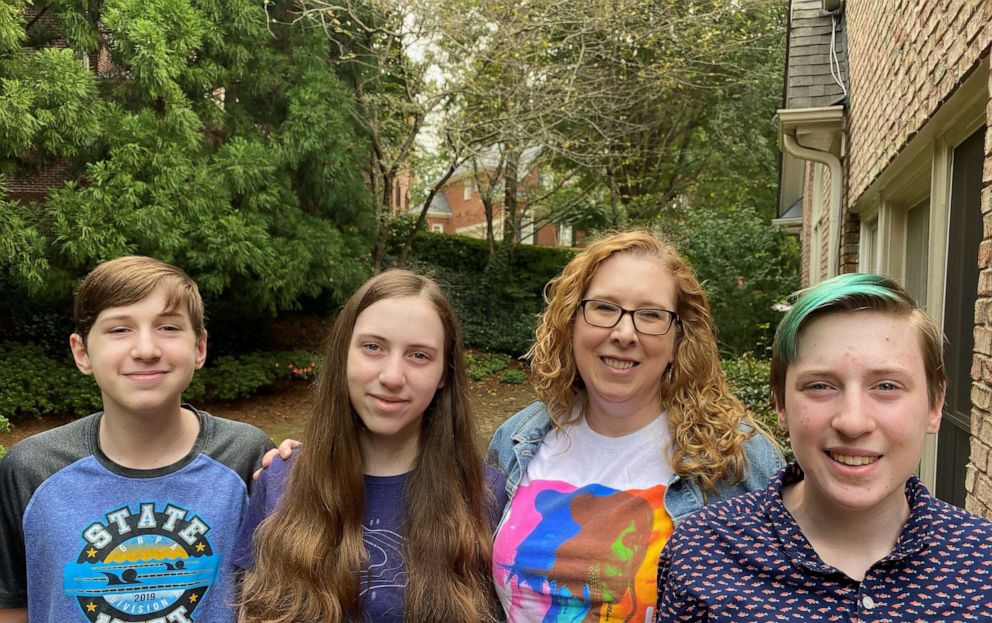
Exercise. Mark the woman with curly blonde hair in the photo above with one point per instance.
(636, 428)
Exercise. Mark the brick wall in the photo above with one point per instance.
(547, 236)
(906, 58)
(978, 482)
(850, 238)
(28, 183)
(466, 212)
(32, 184)
(443, 221)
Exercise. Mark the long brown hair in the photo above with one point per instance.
(704, 416)
(309, 553)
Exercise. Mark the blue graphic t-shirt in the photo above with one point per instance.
(102, 543)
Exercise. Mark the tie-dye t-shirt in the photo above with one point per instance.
(584, 531)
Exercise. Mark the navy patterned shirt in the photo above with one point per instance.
(745, 559)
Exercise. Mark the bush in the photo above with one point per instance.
(748, 378)
(514, 376)
(4, 427)
(484, 365)
(33, 383)
(745, 266)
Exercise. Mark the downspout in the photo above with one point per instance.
(832, 162)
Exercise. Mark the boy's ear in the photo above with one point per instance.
(79, 354)
(201, 350)
(935, 412)
(783, 423)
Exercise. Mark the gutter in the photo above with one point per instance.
(822, 126)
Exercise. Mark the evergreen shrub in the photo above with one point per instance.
(513, 376)
(748, 378)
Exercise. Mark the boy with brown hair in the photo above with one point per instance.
(128, 514)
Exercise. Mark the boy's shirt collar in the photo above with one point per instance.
(201, 439)
(914, 538)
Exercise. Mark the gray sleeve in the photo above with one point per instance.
(237, 445)
(13, 574)
(25, 467)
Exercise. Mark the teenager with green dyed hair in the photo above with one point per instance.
(846, 531)
(854, 292)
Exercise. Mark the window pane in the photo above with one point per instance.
(917, 250)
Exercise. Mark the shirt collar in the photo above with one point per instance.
(915, 536)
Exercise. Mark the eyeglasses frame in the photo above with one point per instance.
(633, 318)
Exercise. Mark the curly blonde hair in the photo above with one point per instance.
(708, 424)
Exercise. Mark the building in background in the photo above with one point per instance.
(459, 206)
(30, 181)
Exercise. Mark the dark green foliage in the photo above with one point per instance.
(229, 378)
(748, 378)
(745, 265)
(34, 383)
(216, 141)
(498, 299)
(513, 376)
(483, 365)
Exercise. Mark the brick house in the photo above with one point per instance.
(887, 167)
(458, 207)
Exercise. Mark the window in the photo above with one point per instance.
(438, 227)
(467, 189)
(868, 252)
(921, 225)
(917, 255)
(527, 233)
(566, 236)
(965, 230)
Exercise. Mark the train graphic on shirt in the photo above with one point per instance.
(143, 565)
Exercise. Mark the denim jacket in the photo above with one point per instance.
(516, 442)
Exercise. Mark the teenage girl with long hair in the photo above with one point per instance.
(386, 511)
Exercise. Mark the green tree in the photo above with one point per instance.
(745, 266)
(218, 140)
(635, 103)
(386, 58)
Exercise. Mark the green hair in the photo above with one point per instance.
(853, 292)
(850, 292)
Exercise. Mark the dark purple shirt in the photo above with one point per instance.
(745, 559)
(383, 531)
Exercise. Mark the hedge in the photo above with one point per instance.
(749, 380)
(33, 383)
(497, 299)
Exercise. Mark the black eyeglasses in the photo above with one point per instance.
(606, 315)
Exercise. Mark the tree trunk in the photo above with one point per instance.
(384, 212)
(422, 217)
(511, 219)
